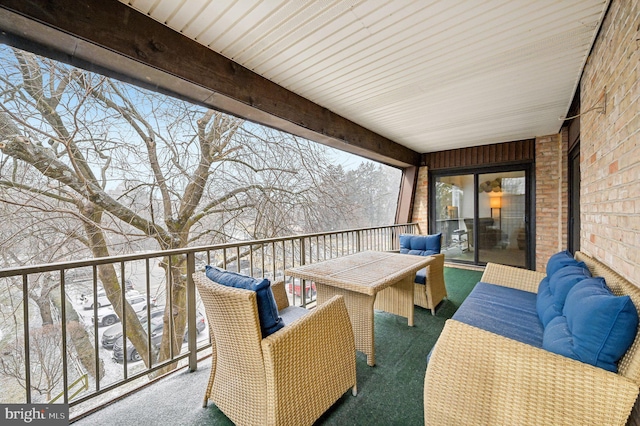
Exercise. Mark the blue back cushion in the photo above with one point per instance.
(560, 260)
(420, 245)
(544, 299)
(596, 327)
(270, 321)
(553, 291)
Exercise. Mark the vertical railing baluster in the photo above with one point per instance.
(284, 268)
(250, 260)
(293, 264)
(273, 260)
(170, 294)
(25, 331)
(124, 321)
(191, 313)
(303, 283)
(147, 286)
(263, 262)
(63, 323)
(94, 277)
(324, 247)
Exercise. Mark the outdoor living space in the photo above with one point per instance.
(389, 393)
(144, 141)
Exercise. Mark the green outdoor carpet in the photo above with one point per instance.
(391, 393)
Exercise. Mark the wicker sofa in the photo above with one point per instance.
(475, 376)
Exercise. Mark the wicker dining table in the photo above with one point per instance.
(367, 280)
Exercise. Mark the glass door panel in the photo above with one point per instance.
(454, 207)
(482, 217)
(500, 226)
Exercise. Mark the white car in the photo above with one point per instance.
(87, 301)
(107, 316)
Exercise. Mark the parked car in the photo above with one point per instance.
(101, 295)
(132, 353)
(310, 289)
(107, 316)
(112, 333)
(157, 328)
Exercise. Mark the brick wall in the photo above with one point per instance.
(609, 144)
(610, 148)
(551, 205)
(420, 212)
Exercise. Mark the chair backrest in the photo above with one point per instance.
(424, 245)
(232, 314)
(469, 225)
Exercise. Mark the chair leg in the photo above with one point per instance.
(205, 402)
(354, 390)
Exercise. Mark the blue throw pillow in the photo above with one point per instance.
(270, 321)
(560, 260)
(596, 327)
(552, 291)
(433, 243)
(560, 283)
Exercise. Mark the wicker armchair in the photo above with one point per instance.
(429, 295)
(290, 377)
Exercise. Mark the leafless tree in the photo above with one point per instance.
(53, 241)
(45, 359)
(130, 165)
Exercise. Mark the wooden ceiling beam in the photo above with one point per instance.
(109, 37)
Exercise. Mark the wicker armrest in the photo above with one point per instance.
(435, 267)
(320, 347)
(280, 294)
(478, 377)
(510, 276)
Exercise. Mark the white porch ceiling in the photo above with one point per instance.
(428, 74)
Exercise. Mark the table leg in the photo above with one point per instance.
(360, 309)
(398, 299)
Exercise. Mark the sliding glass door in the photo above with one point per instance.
(482, 216)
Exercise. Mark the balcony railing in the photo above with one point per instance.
(29, 365)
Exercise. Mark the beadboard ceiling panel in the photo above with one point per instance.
(428, 74)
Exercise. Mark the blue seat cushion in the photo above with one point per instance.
(502, 310)
(421, 277)
(270, 321)
(420, 245)
(552, 291)
(596, 327)
(292, 313)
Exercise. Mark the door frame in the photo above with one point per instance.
(573, 216)
(476, 171)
